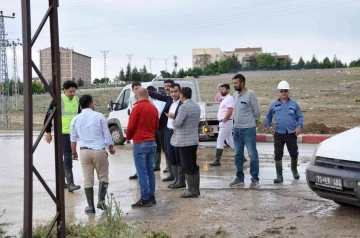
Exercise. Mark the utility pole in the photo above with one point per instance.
(130, 73)
(150, 59)
(15, 92)
(175, 63)
(166, 60)
(4, 79)
(105, 52)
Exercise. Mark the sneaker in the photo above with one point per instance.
(142, 203)
(254, 183)
(237, 182)
(166, 170)
(152, 200)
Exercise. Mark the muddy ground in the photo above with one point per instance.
(330, 99)
(285, 210)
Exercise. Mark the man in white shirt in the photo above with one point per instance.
(160, 107)
(90, 128)
(225, 118)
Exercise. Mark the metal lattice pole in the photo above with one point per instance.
(15, 78)
(4, 77)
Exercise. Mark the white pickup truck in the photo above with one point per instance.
(120, 109)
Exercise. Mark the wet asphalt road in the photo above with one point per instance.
(121, 166)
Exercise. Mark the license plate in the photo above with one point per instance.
(329, 182)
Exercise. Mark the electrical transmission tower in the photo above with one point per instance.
(4, 78)
(150, 59)
(105, 52)
(166, 60)
(15, 78)
(130, 73)
(175, 64)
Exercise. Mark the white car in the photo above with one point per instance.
(334, 172)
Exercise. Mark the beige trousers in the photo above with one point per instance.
(94, 159)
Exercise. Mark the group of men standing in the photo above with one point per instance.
(238, 117)
(173, 127)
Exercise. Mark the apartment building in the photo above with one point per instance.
(204, 56)
(72, 65)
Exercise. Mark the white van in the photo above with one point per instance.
(120, 109)
(334, 172)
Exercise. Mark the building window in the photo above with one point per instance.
(217, 55)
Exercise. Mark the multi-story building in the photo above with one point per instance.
(72, 65)
(204, 56)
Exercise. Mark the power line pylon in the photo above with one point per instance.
(166, 60)
(130, 73)
(150, 59)
(15, 78)
(175, 64)
(4, 78)
(105, 52)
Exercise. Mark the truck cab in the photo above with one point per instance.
(120, 110)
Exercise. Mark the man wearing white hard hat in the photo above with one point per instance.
(288, 121)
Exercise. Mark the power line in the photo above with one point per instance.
(209, 22)
(105, 52)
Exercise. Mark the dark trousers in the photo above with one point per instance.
(171, 151)
(159, 139)
(67, 151)
(188, 159)
(291, 143)
(159, 145)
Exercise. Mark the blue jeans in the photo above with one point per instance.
(246, 137)
(144, 156)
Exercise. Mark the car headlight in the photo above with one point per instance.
(314, 154)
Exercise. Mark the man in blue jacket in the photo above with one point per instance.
(289, 122)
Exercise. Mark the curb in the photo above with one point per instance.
(304, 138)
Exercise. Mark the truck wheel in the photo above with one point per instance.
(117, 135)
(344, 204)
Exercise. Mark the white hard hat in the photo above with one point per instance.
(283, 85)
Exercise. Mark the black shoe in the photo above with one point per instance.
(133, 176)
(142, 203)
(157, 169)
(152, 200)
(244, 161)
(165, 171)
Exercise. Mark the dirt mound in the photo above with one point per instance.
(321, 128)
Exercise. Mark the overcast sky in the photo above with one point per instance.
(160, 29)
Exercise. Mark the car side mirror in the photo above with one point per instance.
(129, 112)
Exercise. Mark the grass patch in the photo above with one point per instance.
(111, 226)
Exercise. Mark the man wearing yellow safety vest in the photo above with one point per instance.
(69, 109)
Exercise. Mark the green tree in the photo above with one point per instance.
(173, 74)
(301, 63)
(165, 74)
(122, 77)
(232, 63)
(37, 88)
(128, 72)
(326, 64)
(266, 60)
(181, 73)
(104, 80)
(136, 76)
(80, 82)
(96, 81)
(315, 62)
